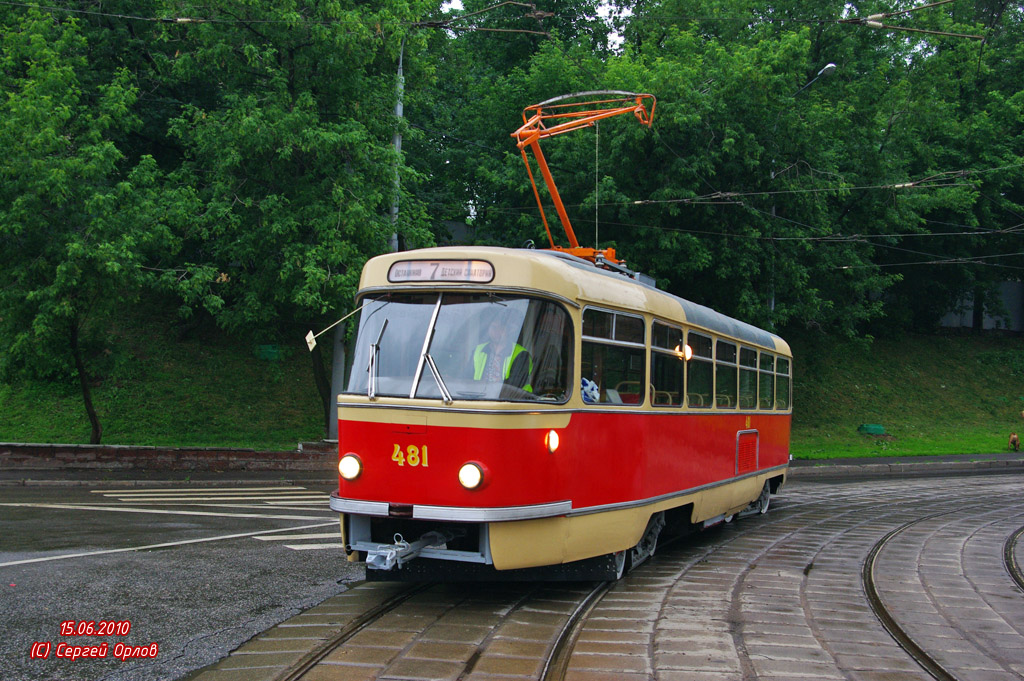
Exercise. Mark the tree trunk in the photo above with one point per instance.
(323, 386)
(83, 380)
(978, 320)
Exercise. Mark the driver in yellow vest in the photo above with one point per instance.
(501, 360)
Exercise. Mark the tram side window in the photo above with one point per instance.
(614, 356)
(598, 324)
(748, 378)
(766, 399)
(668, 365)
(782, 393)
(550, 340)
(700, 374)
(725, 375)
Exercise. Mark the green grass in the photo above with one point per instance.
(206, 391)
(950, 394)
(955, 394)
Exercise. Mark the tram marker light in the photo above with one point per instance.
(350, 467)
(471, 476)
(684, 352)
(551, 441)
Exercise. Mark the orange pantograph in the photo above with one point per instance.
(557, 116)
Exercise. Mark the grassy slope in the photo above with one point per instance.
(207, 390)
(933, 394)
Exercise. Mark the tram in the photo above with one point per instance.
(615, 408)
(547, 414)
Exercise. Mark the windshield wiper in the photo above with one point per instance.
(446, 396)
(371, 383)
(426, 346)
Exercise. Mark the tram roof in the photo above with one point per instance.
(544, 271)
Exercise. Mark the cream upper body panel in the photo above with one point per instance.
(575, 280)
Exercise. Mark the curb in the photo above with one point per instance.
(28, 456)
(832, 471)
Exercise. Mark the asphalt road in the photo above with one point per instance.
(196, 570)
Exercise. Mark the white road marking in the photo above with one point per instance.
(290, 537)
(191, 489)
(277, 498)
(284, 505)
(313, 547)
(128, 509)
(221, 493)
(156, 546)
(157, 500)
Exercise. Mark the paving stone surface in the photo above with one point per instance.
(775, 597)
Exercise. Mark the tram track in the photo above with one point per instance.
(720, 586)
(311, 659)
(906, 639)
(515, 607)
(746, 671)
(558, 657)
(885, 616)
(1010, 558)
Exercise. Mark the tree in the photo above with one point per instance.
(461, 121)
(79, 225)
(286, 139)
(765, 191)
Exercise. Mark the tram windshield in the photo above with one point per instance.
(462, 346)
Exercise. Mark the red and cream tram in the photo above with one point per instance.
(528, 414)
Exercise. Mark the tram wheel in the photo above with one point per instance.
(760, 505)
(620, 564)
(764, 500)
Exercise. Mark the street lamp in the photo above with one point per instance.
(826, 70)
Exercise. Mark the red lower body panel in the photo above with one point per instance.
(603, 458)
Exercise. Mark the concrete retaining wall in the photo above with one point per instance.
(40, 457)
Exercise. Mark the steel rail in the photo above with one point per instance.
(557, 662)
(902, 638)
(304, 664)
(1010, 559)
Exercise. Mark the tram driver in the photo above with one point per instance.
(500, 359)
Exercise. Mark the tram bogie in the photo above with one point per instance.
(525, 414)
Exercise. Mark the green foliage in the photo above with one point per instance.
(765, 190)
(76, 220)
(288, 148)
(243, 160)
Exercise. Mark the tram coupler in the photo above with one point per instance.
(389, 556)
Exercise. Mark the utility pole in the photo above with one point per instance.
(447, 24)
(338, 363)
(397, 142)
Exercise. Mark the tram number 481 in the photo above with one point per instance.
(413, 455)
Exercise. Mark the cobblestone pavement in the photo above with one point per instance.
(784, 597)
(773, 597)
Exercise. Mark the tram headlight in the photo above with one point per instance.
(350, 467)
(551, 441)
(471, 476)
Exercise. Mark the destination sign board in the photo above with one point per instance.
(463, 271)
